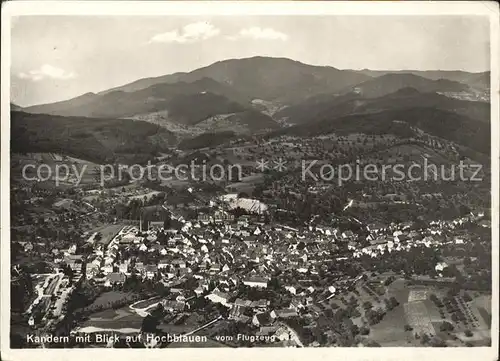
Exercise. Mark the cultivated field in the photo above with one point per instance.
(418, 317)
(52, 160)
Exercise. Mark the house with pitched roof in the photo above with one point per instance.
(284, 313)
(262, 319)
(217, 296)
(258, 282)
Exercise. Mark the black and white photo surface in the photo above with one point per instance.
(267, 177)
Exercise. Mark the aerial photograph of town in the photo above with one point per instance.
(250, 182)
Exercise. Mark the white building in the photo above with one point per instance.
(256, 282)
(219, 297)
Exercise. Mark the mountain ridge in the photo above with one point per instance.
(96, 139)
(335, 106)
(142, 83)
(389, 83)
(480, 79)
(251, 78)
(121, 104)
(441, 123)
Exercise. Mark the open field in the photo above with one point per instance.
(418, 318)
(104, 315)
(240, 187)
(485, 315)
(246, 184)
(108, 232)
(399, 290)
(93, 329)
(238, 155)
(114, 320)
(483, 303)
(110, 297)
(175, 329)
(390, 331)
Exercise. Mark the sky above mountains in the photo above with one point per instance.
(59, 57)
